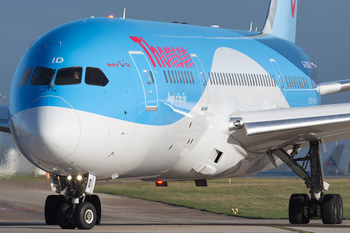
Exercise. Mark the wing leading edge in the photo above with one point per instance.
(4, 124)
(334, 87)
(270, 129)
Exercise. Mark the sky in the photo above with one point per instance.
(322, 28)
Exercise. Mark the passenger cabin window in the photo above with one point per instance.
(171, 81)
(150, 73)
(68, 76)
(172, 72)
(25, 77)
(42, 76)
(166, 78)
(177, 78)
(96, 77)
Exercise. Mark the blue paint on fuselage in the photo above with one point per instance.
(98, 42)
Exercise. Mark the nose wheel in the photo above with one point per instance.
(85, 215)
(74, 209)
(65, 216)
(51, 206)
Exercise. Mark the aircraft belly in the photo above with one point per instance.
(126, 149)
(111, 147)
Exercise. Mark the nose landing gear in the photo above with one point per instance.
(77, 207)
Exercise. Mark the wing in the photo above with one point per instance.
(334, 87)
(4, 123)
(270, 129)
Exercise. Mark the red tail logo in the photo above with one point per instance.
(293, 7)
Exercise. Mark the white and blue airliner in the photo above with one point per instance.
(113, 98)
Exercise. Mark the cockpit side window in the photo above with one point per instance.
(25, 77)
(69, 76)
(96, 77)
(42, 76)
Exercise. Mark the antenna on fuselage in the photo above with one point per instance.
(124, 13)
(251, 26)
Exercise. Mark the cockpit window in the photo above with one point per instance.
(68, 76)
(25, 77)
(42, 76)
(96, 77)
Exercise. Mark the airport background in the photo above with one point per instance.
(321, 31)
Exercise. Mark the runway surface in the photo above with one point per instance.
(22, 210)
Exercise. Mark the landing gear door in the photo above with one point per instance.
(90, 184)
(279, 80)
(203, 81)
(148, 80)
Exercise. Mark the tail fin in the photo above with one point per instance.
(281, 19)
(332, 163)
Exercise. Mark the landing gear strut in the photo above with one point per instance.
(77, 207)
(329, 207)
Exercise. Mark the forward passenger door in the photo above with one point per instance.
(148, 80)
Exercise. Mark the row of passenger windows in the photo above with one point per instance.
(235, 79)
(65, 76)
(184, 77)
(297, 82)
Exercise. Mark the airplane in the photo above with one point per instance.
(114, 98)
(331, 164)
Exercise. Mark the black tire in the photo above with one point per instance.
(297, 204)
(51, 206)
(64, 217)
(95, 201)
(85, 215)
(339, 202)
(306, 217)
(329, 209)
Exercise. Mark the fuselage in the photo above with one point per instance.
(136, 99)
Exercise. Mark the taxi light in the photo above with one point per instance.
(161, 183)
(79, 177)
(69, 177)
(110, 16)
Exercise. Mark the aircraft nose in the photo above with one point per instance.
(51, 129)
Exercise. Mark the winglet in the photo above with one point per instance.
(281, 19)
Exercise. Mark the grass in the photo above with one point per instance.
(22, 178)
(253, 197)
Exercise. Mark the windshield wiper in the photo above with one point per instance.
(50, 87)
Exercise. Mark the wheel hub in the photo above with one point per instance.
(88, 216)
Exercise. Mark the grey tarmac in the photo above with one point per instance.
(22, 210)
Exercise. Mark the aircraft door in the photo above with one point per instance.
(279, 79)
(203, 81)
(148, 80)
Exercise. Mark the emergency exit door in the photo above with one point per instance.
(202, 80)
